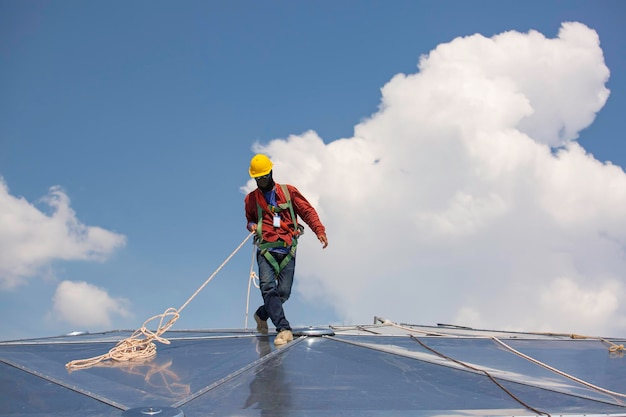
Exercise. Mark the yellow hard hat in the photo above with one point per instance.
(260, 165)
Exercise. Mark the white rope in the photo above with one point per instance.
(216, 271)
(517, 352)
(386, 322)
(140, 344)
(566, 375)
(252, 280)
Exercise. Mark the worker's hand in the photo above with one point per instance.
(252, 227)
(323, 239)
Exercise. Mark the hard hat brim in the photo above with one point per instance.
(259, 174)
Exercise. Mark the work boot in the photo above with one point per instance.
(261, 325)
(283, 337)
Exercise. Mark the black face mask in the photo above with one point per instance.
(265, 183)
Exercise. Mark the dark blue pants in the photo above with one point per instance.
(275, 289)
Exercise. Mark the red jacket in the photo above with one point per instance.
(301, 207)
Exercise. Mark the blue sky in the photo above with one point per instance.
(144, 114)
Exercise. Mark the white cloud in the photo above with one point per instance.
(451, 204)
(30, 239)
(87, 306)
(588, 309)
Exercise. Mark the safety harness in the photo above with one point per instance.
(265, 247)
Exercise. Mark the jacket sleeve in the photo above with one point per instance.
(305, 211)
(251, 209)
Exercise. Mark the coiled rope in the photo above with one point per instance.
(140, 345)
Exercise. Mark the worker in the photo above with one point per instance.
(272, 212)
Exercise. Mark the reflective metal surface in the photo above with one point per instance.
(156, 411)
(375, 370)
(313, 331)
